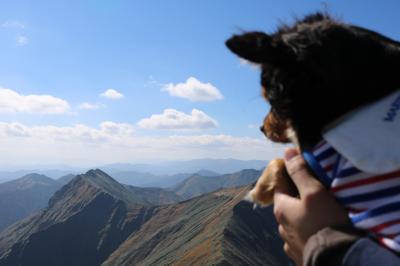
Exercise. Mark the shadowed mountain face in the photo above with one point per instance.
(23, 196)
(197, 185)
(95, 220)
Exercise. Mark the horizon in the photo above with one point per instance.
(103, 82)
(65, 167)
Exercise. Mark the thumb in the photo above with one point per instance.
(299, 173)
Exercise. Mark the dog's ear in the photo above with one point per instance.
(258, 47)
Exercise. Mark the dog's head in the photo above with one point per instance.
(316, 71)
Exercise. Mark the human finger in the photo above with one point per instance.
(289, 251)
(282, 232)
(283, 206)
(298, 171)
(283, 182)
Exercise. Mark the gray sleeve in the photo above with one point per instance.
(346, 246)
(329, 245)
(366, 252)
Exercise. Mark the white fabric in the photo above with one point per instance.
(369, 137)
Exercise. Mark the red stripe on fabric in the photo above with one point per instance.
(319, 145)
(392, 236)
(328, 168)
(382, 226)
(354, 211)
(366, 181)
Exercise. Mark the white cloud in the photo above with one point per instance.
(107, 131)
(13, 102)
(116, 129)
(14, 24)
(14, 130)
(112, 94)
(116, 142)
(175, 120)
(194, 90)
(90, 106)
(21, 40)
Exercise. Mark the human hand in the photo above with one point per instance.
(301, 216)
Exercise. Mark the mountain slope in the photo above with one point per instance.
(85, 221)
(214, 229)
(23, 196)
(197, 185)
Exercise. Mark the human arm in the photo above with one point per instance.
(301, 216)
(315, 228)
(343, 245)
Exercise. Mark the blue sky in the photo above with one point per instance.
(74, 51)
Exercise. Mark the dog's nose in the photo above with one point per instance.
(262, 129)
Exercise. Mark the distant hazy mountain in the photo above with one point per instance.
(155, 196)
(23, 196)
(146, 179)
(95, 220)
(205, 172)
(149, 175)
(221, 166)
(53, 173)
(8, 175)
(56, 173)
(66, 179)
(197, 185)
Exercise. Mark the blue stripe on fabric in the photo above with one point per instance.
(325, 154)
(336, 166)
(391, 207)
(348, 172)
(370, 196)
(318, 170)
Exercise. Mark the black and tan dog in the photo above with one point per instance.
(313, 73)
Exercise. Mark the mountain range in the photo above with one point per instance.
(141, 179)
(95, 220)
(52, 173)
(22, 197)
(204, 167)
(219, 166)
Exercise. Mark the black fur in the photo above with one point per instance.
(318, 69)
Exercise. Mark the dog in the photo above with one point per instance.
(323, 79)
